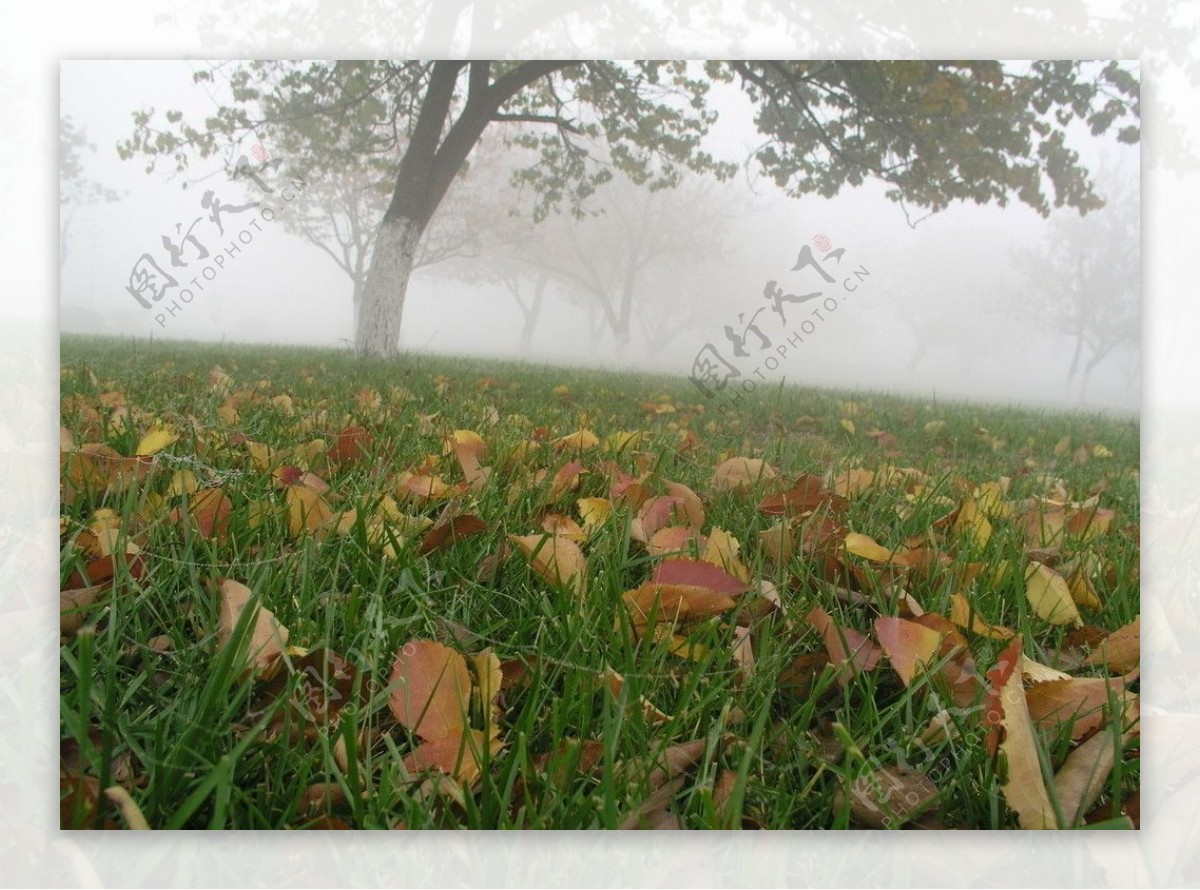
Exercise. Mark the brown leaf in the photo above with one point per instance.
(349, 446)
(806, 495)
(453, 529)
(1082, 701)
(888, 797)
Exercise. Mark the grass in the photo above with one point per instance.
(150, 701)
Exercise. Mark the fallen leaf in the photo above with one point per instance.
(430, 690)
(1012, 731)
(888, 797)
(1050, 596)
(449, 531)
(1121, 650)
(964, 616)
(854, 651)
(265, 635)
(739, 474)
(594, 512)
(581, 440)
(909, 646)
(308, 512)
(867, 548)
(557, 559)
(155, 441)
(1084, 774)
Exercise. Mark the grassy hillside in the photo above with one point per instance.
(496, 595)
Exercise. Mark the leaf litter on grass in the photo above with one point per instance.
(746, 597)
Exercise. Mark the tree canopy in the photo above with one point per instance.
(935, 131)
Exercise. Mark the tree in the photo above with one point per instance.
(75, 189)
(1086, 278)
(937, 132)
(629, 257)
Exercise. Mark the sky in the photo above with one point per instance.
(947, 308)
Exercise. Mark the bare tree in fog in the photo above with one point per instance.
(75, 189)
(1086, 277)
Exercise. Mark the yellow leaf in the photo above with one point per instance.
(852, 482)
(721, 550)
(972, 524)
(580, 440)
(867, 548)
(307, 511)
(962, 615)
(155, 441)
(1023, 786)
(1050, 596)
(556, 559)
(1082, 591)
(848, 425)
(619, 441)
(594, 512)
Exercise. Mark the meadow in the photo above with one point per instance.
(301, 590)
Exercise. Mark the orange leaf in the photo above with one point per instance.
(267, 637)
(845, 645)
(741, 473)
(431, 689)
(458, 755)
(1121, 650)
(909, 646)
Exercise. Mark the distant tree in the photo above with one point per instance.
(75, 188)
(629, 257)
(936, 132)
(1085, 279)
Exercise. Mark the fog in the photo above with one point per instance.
(956, 305)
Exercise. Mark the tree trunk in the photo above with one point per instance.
(377, 326)
(532, 313)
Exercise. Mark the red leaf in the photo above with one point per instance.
(697, 573)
